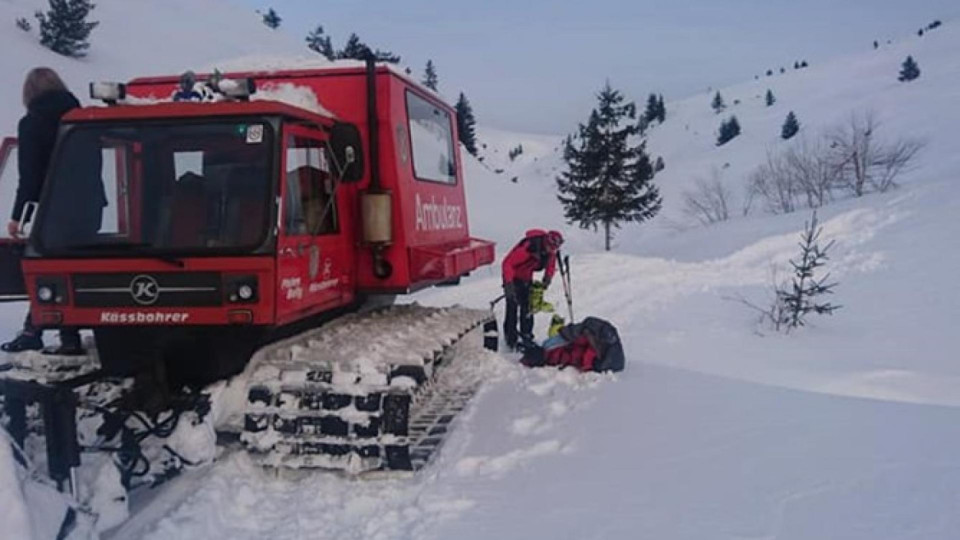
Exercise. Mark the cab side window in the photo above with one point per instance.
(310, 204)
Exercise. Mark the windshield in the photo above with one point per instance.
(158, 188)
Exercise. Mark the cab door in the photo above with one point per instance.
(11, 249)
(314, 256)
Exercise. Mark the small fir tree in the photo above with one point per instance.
(790, 126)
(320, 43)
(661, 110)
(729, 130)
(802, 297)
(23, 24)
(909, 70)
(718, 105)
(466, 124)
(770, 99)
(876, 44)
(354, 49)
(272, 19)
(608, 180)
(64, 28)
(430, 79)
(652, 111)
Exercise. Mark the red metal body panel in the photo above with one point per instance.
(315, 273)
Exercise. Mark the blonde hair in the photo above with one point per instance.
(40, 80)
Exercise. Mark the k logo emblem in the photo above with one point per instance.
(144, 290)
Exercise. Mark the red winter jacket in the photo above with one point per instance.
(528, 256)
(580, 354)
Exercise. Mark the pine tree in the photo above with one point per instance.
(430, 79)
(800, 299)
(272, 19)
(876, 45)
(770, 99)
(320, 43)
(729, 130)
(466, 124)
(609, 176)
(909, 70)
(661, 110)
(790, 126)
(652, 111)
(64, 28)
(354, 49)
(718, 104)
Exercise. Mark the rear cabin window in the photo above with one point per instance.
(311, 206)
(431, 141)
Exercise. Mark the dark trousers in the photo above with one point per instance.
(522, 305)
(68, 334)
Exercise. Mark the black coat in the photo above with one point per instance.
(36, 134)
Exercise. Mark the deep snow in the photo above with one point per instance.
(718, 428)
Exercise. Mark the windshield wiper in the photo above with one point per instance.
(169, 259)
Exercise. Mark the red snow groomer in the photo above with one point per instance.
(192, 233)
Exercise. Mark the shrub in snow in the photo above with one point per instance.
(803, 295)
(769, 99)
(864, 160)
(717, 104)
(272, 19)
(804, 64)
(466, 125)
(515, 152)
(23, 24)
(909, 70)
(64, 28)
(430, 79)
(790, 126)
(659, 165)
(609, 177)
(773, 184)
(729, 130)
(320, 43)
(709, 200)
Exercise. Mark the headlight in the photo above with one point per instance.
(45, 294)
(241, 289)
(245, 292)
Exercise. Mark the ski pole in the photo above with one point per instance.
(564, 263)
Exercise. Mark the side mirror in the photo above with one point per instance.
(347, 147)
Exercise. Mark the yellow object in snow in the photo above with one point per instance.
(556, 324)
(537, 303)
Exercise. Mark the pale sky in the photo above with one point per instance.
(534, 65)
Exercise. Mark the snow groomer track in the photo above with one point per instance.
(369, 391)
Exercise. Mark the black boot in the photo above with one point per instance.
(23, 342)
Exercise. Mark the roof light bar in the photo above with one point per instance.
(237, 88)
(108, 92)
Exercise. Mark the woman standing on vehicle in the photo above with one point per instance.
(46, 99)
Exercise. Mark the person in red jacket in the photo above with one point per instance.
(536, 252)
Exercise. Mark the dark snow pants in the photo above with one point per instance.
(519, 304)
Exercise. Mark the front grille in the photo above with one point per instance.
(162, 289)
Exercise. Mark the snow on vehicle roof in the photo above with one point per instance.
(302, 97)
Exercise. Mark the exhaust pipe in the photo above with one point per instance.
(376, 203)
